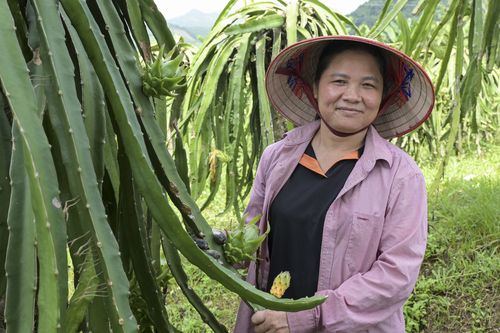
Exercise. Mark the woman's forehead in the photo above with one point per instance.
(353, 55)
(349, 61)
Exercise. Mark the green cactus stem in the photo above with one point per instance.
(50, 227)
(161, 159)
(20, 263)
(5, 152)
(156, 23)
(85, 292)
(132, 221)
(174, 263)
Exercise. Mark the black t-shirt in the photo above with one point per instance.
(296, 218)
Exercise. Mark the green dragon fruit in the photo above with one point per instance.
(164, 75)
(243, 242)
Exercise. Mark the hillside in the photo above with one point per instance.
(192, 25)
(368, 12)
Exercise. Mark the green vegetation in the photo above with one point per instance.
(458, 290)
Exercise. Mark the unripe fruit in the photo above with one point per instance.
(163, 76)
(243, 242)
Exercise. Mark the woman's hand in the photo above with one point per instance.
(269, 321)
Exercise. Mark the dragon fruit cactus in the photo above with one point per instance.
(243, 242)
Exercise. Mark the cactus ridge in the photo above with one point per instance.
(5, 191)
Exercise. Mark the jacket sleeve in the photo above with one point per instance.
(365, 299)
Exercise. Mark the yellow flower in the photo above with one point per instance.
(280, 284)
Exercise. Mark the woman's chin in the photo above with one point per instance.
(345, 126)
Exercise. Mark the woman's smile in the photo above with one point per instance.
(348, 111)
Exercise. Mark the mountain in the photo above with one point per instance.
(185, 33)
(368, 12)
(195, 25)
(192, 25)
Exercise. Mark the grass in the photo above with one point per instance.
(458, 288)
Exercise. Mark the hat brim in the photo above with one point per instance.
(396, 119)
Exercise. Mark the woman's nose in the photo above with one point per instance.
(351, 93)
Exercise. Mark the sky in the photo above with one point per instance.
(174, 8)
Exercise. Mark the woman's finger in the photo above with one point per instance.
(258, 318)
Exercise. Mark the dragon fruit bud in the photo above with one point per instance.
(280, 284)
(243, 242)
(164, 75)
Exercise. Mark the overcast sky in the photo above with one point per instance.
(173, 8)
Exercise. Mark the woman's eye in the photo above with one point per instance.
(369, 85)
(340, 81)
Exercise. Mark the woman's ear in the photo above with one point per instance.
(315, 90)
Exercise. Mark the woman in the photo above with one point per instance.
(347, 208)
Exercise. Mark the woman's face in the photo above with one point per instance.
(349, 91)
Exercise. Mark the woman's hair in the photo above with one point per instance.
(335, 48)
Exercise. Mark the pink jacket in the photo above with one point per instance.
(374, 237)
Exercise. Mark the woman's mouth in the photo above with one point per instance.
(348, 110)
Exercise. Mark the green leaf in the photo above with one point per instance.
(385, 20)
(269, 21)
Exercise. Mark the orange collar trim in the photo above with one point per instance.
(312, 164)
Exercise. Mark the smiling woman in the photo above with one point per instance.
(346, 208)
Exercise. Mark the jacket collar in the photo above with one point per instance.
(376, 147)
(301, 134)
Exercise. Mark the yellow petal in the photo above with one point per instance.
(280, 284)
